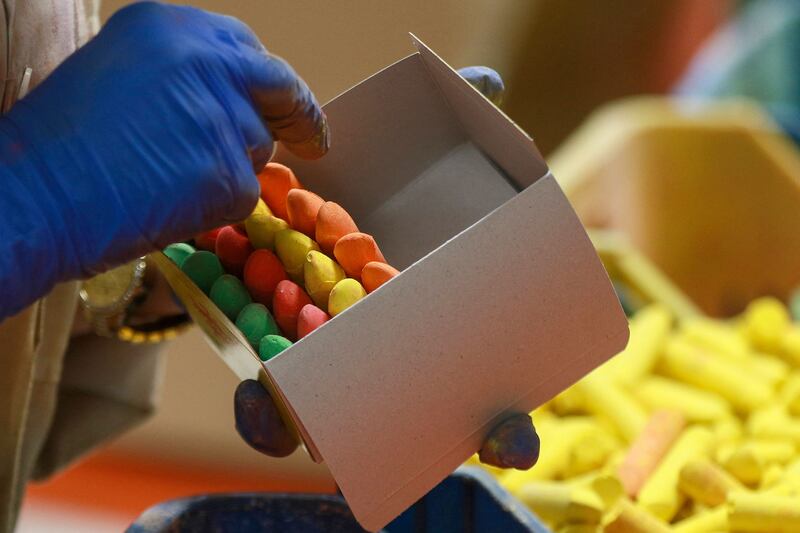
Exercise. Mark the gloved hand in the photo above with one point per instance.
(147, 135)
(512, 444)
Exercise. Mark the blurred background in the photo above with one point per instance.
(561, 61)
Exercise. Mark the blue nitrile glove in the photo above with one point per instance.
(147, 135)
(512, 444)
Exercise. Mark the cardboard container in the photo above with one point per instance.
(708, 191)
(501, 304)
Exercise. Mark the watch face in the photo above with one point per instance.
(114, 288)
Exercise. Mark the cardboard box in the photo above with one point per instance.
(501, 304)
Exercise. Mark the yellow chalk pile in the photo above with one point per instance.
(694, 428)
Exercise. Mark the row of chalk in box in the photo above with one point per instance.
(295, 262)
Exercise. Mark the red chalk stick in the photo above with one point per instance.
(287, 302)
(207, 240)
(233, 249)
(310, 318)
(262, 273)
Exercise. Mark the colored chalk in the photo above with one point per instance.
(660, 494)
(261, 208)
(321, 273)
(707, 483)
(646, 452)
(287, 302)
(276, 181)
(763, 513)
(333, 223)
(261, 229)
(262, 273)
(310, 318)
(207, 240)
(203, 268)
(376, 274)
(230, 295)
(292, 248)
(302, 207)
(344, 294)
(765, 321)
(178, 252)
(354, 251)
(255, 321)
(272, 345)
(233, 248)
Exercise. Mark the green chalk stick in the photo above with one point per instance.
(178, 252)
(255, 321)
(230, 295)
(203, 268)
(272, 345)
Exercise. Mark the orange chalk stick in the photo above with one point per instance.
(276, 181)
(376, 274)
(302, 207)
(354, 251)
(645, 453)
(333, 223)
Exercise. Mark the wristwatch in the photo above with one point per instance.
(109, 301)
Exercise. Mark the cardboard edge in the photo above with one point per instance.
(441, 72)
(374, 521)
(230, 345)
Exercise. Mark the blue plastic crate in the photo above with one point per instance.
(468, 501)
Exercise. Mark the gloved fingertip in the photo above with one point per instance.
(512, 444)
(262, 155)
(487, 81)
(258, 421)
(315, 146)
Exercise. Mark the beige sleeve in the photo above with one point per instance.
(106, 388)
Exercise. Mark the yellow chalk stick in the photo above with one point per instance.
(715, 336)
(765, 323)
(695, 404)
(321, 274)
(558, 503)
(774, 423)
(292, 248)
(749, 462)
(790, 345)
(558, 439)
(628, 518)
(261, 228)
(344, 294)
(610, 402)
(789, 393)
(706, 521)
(648, 329)
(686, 362)
(660, 495)
(763, 513)
(591, 451)
(707, 483)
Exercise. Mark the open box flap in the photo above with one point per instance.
(486, 125)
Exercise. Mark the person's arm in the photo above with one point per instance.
(147, 135)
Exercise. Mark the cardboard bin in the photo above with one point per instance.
(501, 304)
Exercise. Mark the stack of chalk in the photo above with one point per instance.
(694, 428)
(294, 263)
